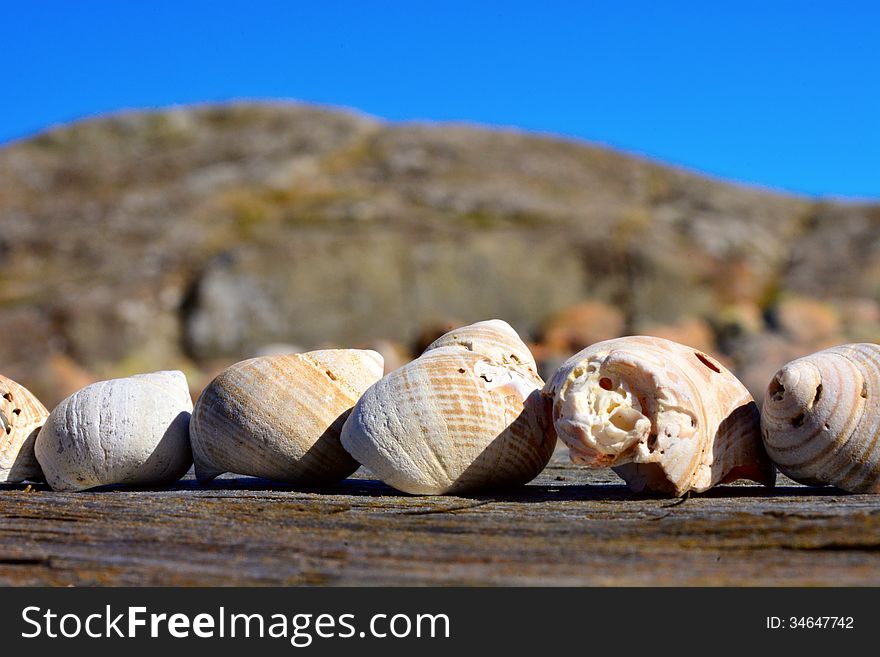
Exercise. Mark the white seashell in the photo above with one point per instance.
(454, 420)
(279, 417)
(493, 338)
(667, 417)
(132, 431)
(821, 421)
(21, 416)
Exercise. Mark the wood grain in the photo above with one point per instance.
(571, 526)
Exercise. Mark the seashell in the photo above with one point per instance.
(279, 417)
(493, 338)
(21, 416)
(132, 431)
(666, 417)
(454, 420)
(821, 422)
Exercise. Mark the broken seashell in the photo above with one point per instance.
(454, 420)
(493, 338)
(279, 417)
(821, 422)
(21, 416)
(130, 431)
(666, 417)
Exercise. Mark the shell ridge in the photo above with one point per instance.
(441, 471)
(395, 458)
(833, 439)
(339, 381)
(281, 417)
(862, 456)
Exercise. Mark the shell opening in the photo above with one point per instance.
(599, 417)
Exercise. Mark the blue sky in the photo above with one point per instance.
(781, 94)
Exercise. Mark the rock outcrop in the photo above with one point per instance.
(192, 236)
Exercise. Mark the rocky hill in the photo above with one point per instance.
(192, 237)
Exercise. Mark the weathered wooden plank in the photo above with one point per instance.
(570, 526)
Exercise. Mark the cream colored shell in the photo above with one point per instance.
(279, 417)
(21, 416)
(454, 421)
(493, 338)
(667, 417)
(821, 420)
(131, 431)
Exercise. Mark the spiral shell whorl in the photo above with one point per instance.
(819, 423)
(665, 416)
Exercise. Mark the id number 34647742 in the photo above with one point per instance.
(810, 622)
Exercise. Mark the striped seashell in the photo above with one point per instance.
(666, 417)
(493, 338)
(21, 416)
(131, 431)
(452, 421)
(279, 417)
(821, 422)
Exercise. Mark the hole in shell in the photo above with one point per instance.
(7, 396)
(864, 390)
(776, 390)
(16, 411)
(797, 420)
(513, 356)
(605, 383)
(705, 360)
(331, 375)
(652, 442)
(461, 370)
(464, 343)
(818, 394)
